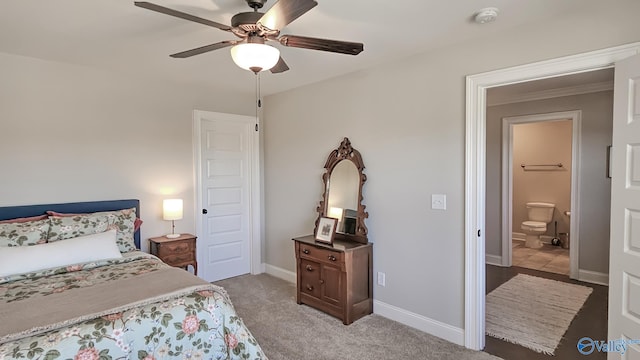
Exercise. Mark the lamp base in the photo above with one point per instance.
(173, 236)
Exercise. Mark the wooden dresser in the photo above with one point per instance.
(337, 278)
(178, 252)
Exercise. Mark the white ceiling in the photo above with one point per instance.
(118, 36)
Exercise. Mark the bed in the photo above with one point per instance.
(74, 285)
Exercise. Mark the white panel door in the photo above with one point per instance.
(624, 269)
(225, 246)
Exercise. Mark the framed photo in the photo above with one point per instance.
(326, 230)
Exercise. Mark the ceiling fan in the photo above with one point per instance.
(254, 28)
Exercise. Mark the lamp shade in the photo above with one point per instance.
(172, 209)
(255, 57)
(335, 212)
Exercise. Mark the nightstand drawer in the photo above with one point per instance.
(181, 246)
(179, 259)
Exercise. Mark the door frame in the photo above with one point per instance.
(475, 164)
(256, 175)
(507, 181)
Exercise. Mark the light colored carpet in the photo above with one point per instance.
(286, 330)
(533, 312)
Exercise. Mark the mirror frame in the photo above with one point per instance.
(345, 152)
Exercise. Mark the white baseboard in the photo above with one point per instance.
(493, 259)
(422, 323)
(518, 236)
(593, 277)
(281, 273)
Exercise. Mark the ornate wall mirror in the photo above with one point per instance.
(342, 197)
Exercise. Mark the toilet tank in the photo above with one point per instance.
(540, 211)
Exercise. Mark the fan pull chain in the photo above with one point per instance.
(258, 100)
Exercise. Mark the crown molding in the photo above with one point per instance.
(551, 93)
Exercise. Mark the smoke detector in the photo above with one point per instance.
(486, 15)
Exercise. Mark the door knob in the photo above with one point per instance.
(204, 211)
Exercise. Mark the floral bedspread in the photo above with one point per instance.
(200, 325)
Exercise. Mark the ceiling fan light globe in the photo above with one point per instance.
(255, 56)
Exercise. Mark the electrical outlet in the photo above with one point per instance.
(381, 278)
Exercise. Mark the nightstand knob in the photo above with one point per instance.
(321, 281)
(306, 251)
(332, 258)
(309, 287)
(309, 268)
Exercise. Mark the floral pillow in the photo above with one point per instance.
(65, 226)
(24, 233)
(68, 227)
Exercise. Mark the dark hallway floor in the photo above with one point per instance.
(590, 321)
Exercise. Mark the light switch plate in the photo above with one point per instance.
(439, 202)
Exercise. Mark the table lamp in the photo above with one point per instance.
(172, 210)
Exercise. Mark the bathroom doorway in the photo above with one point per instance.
(587, 100)
(540, 168)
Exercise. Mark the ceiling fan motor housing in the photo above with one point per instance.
(245, 19)
(256, 4)
(246, 24)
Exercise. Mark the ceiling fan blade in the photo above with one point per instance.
(342, 47)
(204, 49)
(181, 15)
(284, 12)
(281, 66)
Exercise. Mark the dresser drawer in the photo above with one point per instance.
(320, 254)
(182, 246)
(310, 277)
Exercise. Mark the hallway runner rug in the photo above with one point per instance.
(533, 312)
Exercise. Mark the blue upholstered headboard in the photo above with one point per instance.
(11, 212)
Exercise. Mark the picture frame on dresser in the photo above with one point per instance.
(326, 230)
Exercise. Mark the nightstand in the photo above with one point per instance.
(178, 252)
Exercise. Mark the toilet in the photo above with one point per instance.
(539, 215)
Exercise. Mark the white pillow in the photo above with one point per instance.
(24, 259)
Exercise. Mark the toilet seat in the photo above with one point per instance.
(534, 224)
(535, 227)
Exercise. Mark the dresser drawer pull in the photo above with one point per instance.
(321, 281)
(309, 287)
(332, 258)
(309, 268)
(306, 251)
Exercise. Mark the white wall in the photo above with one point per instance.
(407, 120)
(72, 133)
(595, 187)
